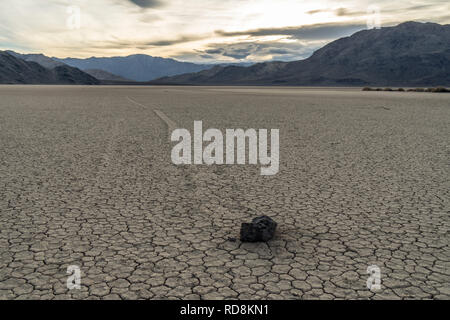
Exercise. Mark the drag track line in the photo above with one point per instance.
(170, 123)
(197, 177)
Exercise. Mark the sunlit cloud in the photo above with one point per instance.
(198, 30)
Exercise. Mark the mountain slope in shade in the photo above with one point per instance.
(51, 63)
(104, 75)
(43, 60)
(14, 70)
(410, 54)
(137, 67)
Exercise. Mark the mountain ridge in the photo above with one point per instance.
(43, 60)
(14, 70)
(411, 53)
(136, 67)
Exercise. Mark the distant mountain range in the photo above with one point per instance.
(44, 61)
(51, 63)
(134, 68)
(138, 67)
(15, 70)
(410, 54)
(109, 70)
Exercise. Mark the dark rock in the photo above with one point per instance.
(260, 229)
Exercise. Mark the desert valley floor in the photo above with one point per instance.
(86, 179)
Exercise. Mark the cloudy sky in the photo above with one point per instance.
(198, 30)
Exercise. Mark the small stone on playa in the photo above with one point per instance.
(260, 229)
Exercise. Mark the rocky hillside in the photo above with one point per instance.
(410, 54)
(14, 70)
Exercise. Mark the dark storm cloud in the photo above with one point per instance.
(242, 50)
(310, 32)
(147, 3)
(340, 12)
(169, 42)
(214, 51)
(238, 53)
(237, 50)
(206, 56)
(125, 44)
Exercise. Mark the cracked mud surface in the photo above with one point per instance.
(86, 180)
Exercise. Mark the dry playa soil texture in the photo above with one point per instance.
(86, 179)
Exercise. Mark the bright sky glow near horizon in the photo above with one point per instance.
(197, 30)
